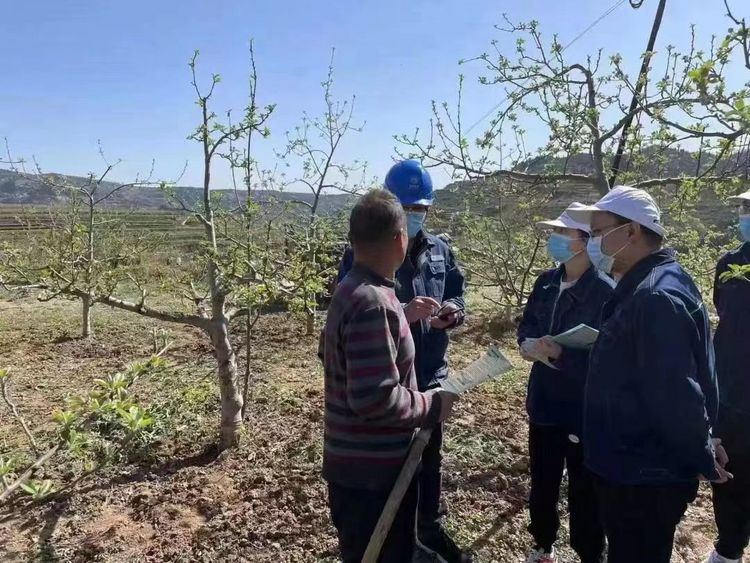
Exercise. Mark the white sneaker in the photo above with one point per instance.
(541, 556)
(716, 558)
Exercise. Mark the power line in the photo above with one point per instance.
(638, 89)
(584, 32)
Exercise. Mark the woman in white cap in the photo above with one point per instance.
(732, 300)
(562, 298)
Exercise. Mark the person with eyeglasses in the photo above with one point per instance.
(651, 397)
(732, 301)
(563, 298)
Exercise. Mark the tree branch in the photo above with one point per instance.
(16, 414)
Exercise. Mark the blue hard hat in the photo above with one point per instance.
(410, 182)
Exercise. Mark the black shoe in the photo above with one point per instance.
(442, 544)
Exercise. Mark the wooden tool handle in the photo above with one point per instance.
(397, 495)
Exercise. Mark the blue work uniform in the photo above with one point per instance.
(555, 396)
(554, 403)
(650, 403)
(651, 395)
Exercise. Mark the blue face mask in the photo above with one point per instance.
(745, 227)
(603, 262)
(414, 223)
(558, 247)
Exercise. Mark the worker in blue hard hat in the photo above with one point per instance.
(430, 285)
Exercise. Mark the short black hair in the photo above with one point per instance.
(376, 217)
(653, 238)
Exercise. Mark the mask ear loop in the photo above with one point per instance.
(612, 231)
(576, 253)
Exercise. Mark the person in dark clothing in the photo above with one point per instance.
(562, 298)
(732, 301)
(430, 286)
(651, 397)
(372, 404)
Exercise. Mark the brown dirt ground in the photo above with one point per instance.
(266, 501)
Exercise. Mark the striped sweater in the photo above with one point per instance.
(372, 404)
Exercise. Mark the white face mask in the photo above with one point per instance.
(602, 261)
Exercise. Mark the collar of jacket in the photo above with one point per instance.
(745, 251)
(580, 291)
(371, 276)
(421, 243)
(638, 273)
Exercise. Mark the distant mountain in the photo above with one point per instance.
(668, 163)
(32, 190)
(654, 162)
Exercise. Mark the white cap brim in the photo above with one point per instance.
(564, 223)
(742, 198)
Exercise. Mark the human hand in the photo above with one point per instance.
(448, 399)
(724, 475)
(720, 462)
(448, 316)
(420, 308)
(720, 453)
(547, 348)
(524, 355)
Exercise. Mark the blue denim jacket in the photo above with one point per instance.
(651, 396)
(555, 398)
(732, 339)
(429, 270)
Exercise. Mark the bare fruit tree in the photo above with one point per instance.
(82, 250)
(681, 100)
(210, 289)
(315, 146)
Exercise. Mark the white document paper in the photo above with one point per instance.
(490, 366)
(581, 337)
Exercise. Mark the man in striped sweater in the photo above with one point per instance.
(372, 405)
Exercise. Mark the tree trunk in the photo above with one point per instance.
(601, 184)
(310, 321)
(86, 317)
(229, 386)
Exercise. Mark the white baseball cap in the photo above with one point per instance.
(742, 198)
(631, 203)
(565, 221)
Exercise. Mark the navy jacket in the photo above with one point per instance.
(429, 270)
(732, 343)
(555, 398)
(651, 396)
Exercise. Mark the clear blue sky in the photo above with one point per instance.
(81, 70)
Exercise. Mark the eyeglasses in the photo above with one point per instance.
(596, 232)
(744, 209)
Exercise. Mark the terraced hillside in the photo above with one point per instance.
(18, 222)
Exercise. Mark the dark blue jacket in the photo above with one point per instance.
(651, 396)
(429, 270)
(732, 344)
(555, 398)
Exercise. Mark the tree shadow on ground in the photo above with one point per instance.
(502, 519)
(145, 472)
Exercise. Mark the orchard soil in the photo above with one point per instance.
(264, 502)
